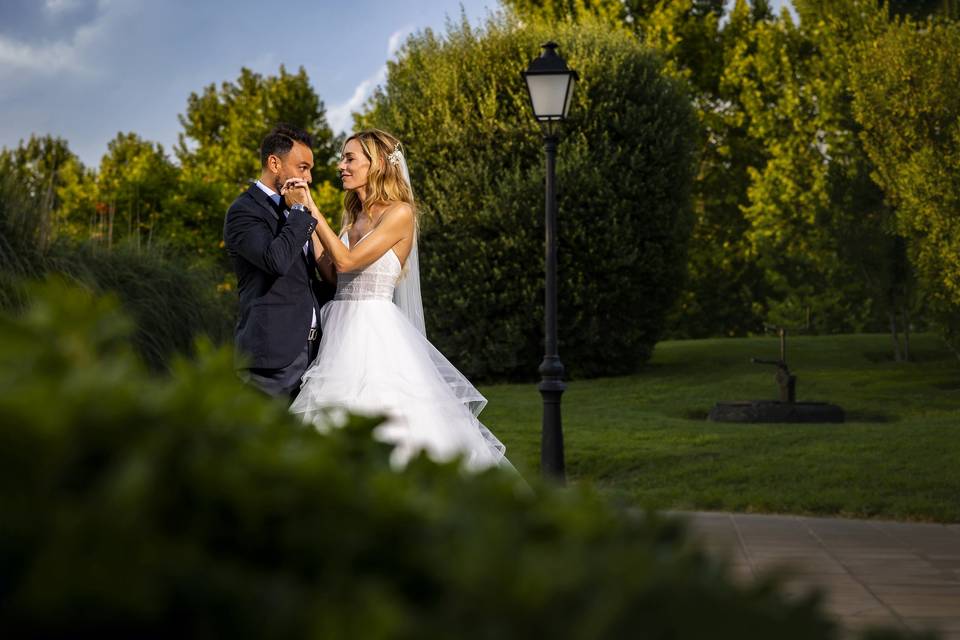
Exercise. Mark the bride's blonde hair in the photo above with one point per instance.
(385, 181)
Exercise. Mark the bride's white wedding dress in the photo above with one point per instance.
(373, 360)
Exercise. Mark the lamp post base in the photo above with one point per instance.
(551, 443)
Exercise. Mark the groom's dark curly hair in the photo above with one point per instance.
(280, 140)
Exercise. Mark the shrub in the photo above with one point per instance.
(144, 506)
(172, 299)
(624, 171)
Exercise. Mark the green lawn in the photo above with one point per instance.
(644, 438)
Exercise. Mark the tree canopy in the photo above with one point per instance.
(907, 89)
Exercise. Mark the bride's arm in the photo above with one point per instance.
(395, 225)
(324, 264)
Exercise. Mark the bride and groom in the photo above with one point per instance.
(336, 320)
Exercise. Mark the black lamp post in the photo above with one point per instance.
(551, 84)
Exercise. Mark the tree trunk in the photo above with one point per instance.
(112, 212)
(46, 226)
(137, 207)
(905, 316)
(138, 225)
(893, 334)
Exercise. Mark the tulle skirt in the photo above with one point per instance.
(373, 361)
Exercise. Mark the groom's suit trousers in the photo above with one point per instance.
(284, 382)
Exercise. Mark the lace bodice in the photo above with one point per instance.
(376, 282)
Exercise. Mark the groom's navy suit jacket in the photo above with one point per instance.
(279, 286)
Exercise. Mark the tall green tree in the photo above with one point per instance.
(80, 214)
(815, 218)
(37, 169)
(218, 148)
(907, 89)
(134, 187)
(725, 286)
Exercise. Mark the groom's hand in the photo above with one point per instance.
(295, 191)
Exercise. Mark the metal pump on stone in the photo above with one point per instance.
(786, 409)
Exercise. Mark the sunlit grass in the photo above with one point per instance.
(644, 438)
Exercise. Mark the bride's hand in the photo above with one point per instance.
(313, 206)
(310, 203)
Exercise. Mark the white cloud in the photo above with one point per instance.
(340, 115)
(22, 61)
(48, 59)
(397, 39)
(60, 6)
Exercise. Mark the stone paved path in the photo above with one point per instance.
(896, 574)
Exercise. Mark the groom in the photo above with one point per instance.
(268, 237)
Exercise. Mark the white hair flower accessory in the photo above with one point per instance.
(395, 156)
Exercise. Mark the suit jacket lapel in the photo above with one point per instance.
(257, 194)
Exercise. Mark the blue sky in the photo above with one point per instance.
(86, 69)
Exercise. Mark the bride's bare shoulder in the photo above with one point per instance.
(399, 213)
(401, 208)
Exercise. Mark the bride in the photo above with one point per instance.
(374, 356)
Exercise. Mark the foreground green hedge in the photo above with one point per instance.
(188, 505)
